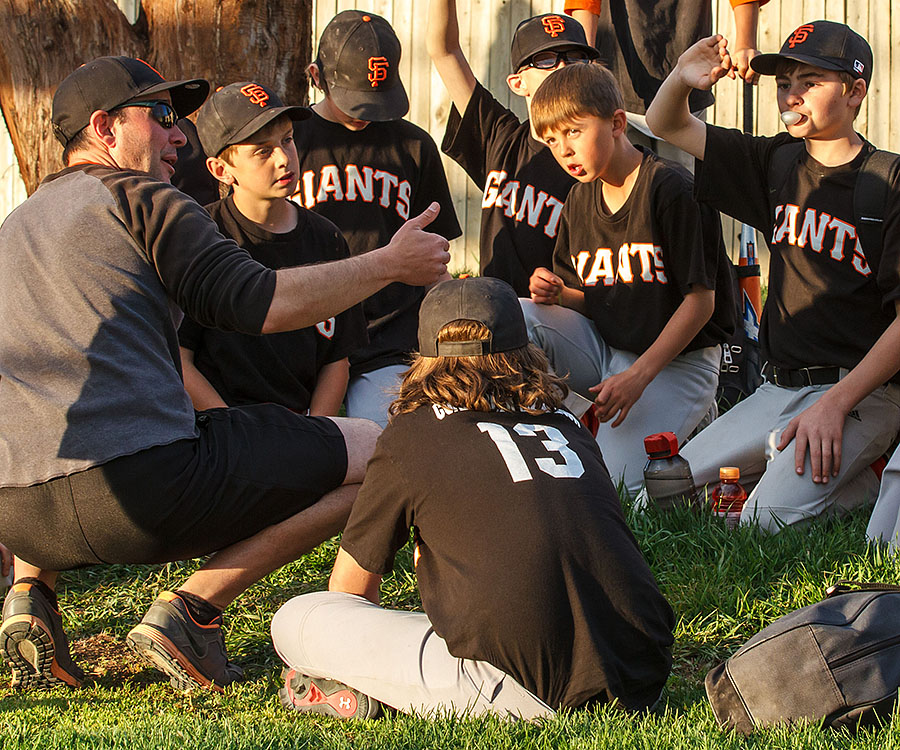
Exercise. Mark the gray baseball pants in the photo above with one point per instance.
(394, 657)
(746, 437)
(675, 401)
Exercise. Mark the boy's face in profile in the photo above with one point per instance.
(583, 146)
(266, 165)
(826, 105)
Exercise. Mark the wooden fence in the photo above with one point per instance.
(486, 27)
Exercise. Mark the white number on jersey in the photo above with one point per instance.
(556, 442)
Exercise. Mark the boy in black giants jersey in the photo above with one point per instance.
(535, 593)
(638, 301)
(829, 329)
(368, 170)
(248, 137)
(524, 189)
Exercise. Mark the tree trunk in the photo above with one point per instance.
(42, 41)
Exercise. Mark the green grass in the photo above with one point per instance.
(723, 585)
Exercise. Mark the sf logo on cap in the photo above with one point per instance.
(378, 70)
(800, 35)
(255, 93)
(554, 25)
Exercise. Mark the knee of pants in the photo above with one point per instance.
(287, 625)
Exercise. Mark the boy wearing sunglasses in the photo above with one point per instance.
(524, 188)
(248, 136)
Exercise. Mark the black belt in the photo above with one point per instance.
(788, 378)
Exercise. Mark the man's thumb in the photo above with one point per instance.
(426, 217)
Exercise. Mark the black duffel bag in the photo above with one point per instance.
(837, 660)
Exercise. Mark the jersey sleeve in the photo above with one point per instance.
(562, 254)
(469, 137)
(732, 175)
(208, 276)
(692, 236)
(381, 518)
(190, 333)
(432, 186)
(591, 6)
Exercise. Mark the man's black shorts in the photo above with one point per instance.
(251, 467)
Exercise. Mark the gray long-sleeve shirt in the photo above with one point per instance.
(90, 265)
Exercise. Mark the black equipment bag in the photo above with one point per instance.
(837, 660)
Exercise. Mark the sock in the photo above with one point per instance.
(201, 610)
(43, 588)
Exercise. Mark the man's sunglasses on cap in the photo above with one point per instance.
(549, 59)
(160, 111)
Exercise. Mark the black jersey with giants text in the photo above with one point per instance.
(523, 186)
(369, 182)
(526, 560)
(281, 368)
(829, 299)
(636, 264)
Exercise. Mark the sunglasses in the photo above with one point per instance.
(160, 111)
(552, 58)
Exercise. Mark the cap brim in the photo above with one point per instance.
(382, 106)
(187, 96)
(767, 64)
(561, 45)
(264, 118)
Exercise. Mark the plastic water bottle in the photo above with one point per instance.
(667, 476)
(728, 496)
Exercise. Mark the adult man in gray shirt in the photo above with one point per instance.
(102, 458)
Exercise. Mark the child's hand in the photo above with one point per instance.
(741, 59)
(818, 430)
(704, 63)
(617, 394)
(545, 287)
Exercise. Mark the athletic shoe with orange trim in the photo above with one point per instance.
(330, 697)
(192, 655)
(34, 643)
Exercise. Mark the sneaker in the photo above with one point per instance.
(33, 641)
(192, 655)
(330, 697)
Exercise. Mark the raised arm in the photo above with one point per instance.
(442, 42)
(587, 13)
(744, 49)
(307, 294)
(699, 67)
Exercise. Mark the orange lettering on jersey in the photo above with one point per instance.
(554, 25)
(378, 70)
(800, 35)
(256, 94)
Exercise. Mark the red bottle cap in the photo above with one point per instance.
(661, 445)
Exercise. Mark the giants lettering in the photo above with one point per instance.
(326, 328)
(354, 183)
(814, 233)
(648, 256)
(502, 193)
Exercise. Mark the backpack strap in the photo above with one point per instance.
(877, 174)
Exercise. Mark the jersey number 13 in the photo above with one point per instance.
(571, 466)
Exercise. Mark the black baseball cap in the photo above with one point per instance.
(359, 57)
(236, 111)
(547, 32)
(489, 301)
(825, 44)
(107, 82)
